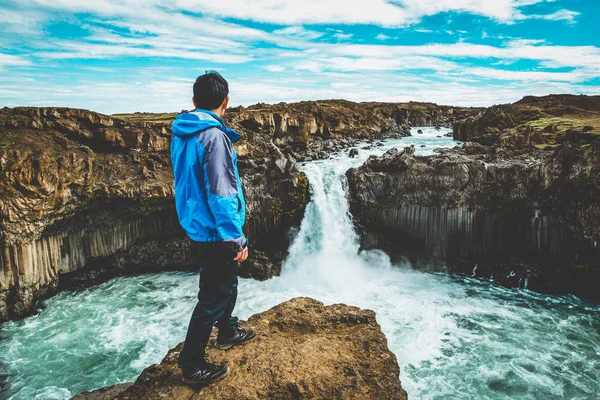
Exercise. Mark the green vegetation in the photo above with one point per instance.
(545, 146)
(559, 124)
(303, 183)
(5, 140)
(146, 117)
(581, 268)
(550, 129)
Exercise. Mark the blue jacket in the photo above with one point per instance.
(208, 191)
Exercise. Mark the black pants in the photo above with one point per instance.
(216, 300)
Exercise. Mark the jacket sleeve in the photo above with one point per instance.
(222, 190)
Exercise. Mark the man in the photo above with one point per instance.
(211, 209)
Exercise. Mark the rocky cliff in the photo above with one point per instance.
(86, 196)
(531, 120)
(80, 189)
(520, 200)
(311, 130)
(299, 123)
(303, 350)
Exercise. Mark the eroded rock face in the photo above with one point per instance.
(80, 189)
(556, 113)
(521, 201)
(299, 123)
(303, 350)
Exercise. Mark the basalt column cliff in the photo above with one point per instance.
(519, 202)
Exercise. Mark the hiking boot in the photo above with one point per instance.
(205, 374)
(241, 336)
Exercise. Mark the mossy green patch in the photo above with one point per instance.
(581, 267)
(146, 117)
(546, 146)
(558, 124)
(5, 140)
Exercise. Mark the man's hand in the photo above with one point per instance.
(242, 255)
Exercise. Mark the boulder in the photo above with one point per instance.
(303, 350)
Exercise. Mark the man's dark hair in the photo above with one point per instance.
(210, 90)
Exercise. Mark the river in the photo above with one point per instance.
(455, 337)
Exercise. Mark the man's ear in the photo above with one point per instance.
(194, 102)
(225, 103)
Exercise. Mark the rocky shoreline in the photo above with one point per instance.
(303, 350)
(518, 202)
(86, 196)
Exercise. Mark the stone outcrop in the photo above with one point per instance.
(530, 115)
(303, 350)
(520, 200)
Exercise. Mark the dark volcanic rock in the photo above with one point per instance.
(303, 350)
(528, 116)
(521, 204)
(260, 266)
(85, 196)
(107, 393)
(299, 124)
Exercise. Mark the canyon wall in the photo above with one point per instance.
(520, 200)
(300, 123)
(86, 196)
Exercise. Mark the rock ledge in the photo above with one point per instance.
(304, 350)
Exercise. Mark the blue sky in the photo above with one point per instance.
(143, 55)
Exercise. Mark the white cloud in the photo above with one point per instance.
(525, 76)
(100, 51)
(392, 13)
(9, 60)
(560, 15)
(275, 68)
(172, 94)
(376, 64)
(342, 36)
(564, 56)
(381, 36)
(524, 42)
(298, 32)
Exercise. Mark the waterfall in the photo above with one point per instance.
(326, 232)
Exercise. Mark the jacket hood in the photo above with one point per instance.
(187, 125)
